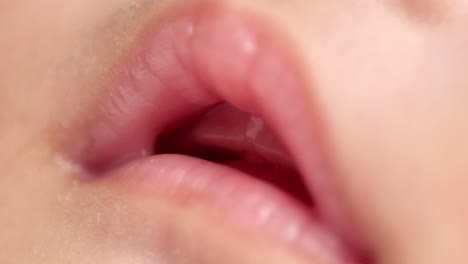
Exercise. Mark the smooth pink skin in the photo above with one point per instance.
(387, 79)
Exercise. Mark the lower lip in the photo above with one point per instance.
(233, 196)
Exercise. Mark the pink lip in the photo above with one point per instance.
(195, 57)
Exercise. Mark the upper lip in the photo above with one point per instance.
(196, 56)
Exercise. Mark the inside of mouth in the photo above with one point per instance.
(225, 135)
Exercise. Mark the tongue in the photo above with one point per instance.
(228, 132)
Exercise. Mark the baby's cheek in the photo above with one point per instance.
(30, 184)
(54, 61)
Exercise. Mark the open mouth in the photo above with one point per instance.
(209, 108)
(239, 140)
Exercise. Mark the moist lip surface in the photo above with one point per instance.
(187, 116)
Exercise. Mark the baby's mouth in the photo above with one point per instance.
(187, 119)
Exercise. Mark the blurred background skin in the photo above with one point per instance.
(391, 88)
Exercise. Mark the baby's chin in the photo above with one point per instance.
(130, 230)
